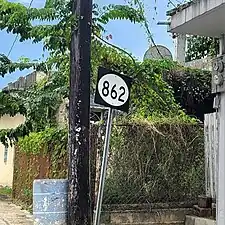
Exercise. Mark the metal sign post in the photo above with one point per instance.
(104, 167)
(113, 91)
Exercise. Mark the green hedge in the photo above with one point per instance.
(155, 162)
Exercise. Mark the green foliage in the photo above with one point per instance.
(28, 192)
(192, 89)
(157, 161)
(38, 104)
(39, 155)
(181, 118)
(42, 142)
(56, 36)
(36, 153)
(199, 47)
(121, 12)
(151, 94)
(6, 191)
(10, 105)
(7, 66)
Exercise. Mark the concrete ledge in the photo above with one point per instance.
(149, 207)
(193, 220)
(142, 217)
(202, 64)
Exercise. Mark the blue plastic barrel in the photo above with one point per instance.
(50, 202)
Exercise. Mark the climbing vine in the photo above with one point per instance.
(43, 142)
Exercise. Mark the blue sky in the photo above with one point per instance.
(129, 36)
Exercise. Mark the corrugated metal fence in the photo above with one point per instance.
(211, 133)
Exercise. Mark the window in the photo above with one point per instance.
(6, 154)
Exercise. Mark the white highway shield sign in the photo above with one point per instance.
(113, 90)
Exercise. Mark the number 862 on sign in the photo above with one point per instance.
(113, 90)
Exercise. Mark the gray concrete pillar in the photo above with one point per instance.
(180, 48)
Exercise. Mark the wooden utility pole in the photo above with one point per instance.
(79, 107)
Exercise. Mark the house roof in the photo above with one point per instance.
(198, 17)
(26, 81)
(179, 8)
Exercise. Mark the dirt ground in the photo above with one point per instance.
(10, 214)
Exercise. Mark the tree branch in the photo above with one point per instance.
(116, 47)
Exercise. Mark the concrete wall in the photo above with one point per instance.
(203, 64)
(193, 220)
(27, 81)
(180, 48)
(6, 168)
(62, 114)
(151, 217)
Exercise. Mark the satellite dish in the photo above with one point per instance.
(158, 52)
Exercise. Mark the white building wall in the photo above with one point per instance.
(6, 166)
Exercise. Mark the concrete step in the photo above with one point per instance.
(193, 220)
(179, 223)
(170, 223)
(202, 212)
(153, 217)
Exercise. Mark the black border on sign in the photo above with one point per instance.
(98, 99)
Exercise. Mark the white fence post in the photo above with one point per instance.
(211, 134)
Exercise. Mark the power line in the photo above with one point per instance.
(16, 38)
(173, 4)
(13, 44)
(148, 30)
